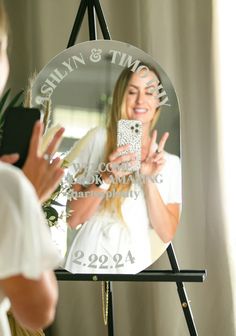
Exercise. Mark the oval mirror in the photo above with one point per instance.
(122, 204)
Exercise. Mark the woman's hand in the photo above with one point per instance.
(154, 161)
(44, 173)
(120, 164)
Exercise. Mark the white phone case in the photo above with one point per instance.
(130, 132)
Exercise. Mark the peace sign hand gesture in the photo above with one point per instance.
(154, 161)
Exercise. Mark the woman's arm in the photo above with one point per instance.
(33, 302)
(31, 288)
(83, 208)
(163, 218)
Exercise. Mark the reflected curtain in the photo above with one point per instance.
(179, 35)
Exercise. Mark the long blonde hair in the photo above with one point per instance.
(117, 112)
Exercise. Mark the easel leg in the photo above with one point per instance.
(92, 21)
(94, 7)
(77, 23)
(182, 293)
(102, 21)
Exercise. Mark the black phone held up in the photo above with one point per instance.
(17, 130)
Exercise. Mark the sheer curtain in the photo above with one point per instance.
(225, 72)
(183, 36)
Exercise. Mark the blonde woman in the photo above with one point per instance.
(124, 234)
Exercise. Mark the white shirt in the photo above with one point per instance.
(25, 243)
(104, 244)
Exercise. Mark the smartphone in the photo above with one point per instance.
(17, 130)
(130, 132)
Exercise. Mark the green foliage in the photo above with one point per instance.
(17, 100)
(50, 207)
(51, 215)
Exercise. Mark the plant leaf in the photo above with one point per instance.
(16, 99)
(3, 100)
(53, 202)
(50, 213)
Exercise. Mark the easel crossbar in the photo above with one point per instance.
(148, 276)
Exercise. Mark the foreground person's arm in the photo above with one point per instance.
(33, 302)
(28, 252)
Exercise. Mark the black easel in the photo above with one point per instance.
(93, 7)
(175, 275)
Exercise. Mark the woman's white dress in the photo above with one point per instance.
(105, 244)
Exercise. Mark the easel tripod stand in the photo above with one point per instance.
(175, 274)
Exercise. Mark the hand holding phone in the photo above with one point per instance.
(22, 134)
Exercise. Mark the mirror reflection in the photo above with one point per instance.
(122, 190)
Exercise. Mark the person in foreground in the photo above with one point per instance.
(123, 233)
(27, 254)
